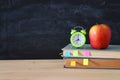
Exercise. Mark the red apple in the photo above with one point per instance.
(100, 36)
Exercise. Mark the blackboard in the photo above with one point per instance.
(39, 29)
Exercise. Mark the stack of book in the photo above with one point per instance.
(86, 57)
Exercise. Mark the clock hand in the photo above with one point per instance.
(78, 37)
(75, 40)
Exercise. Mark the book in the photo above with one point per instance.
(113, 51)
(87, 57)
(96, 63)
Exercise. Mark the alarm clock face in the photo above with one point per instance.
(78, 39)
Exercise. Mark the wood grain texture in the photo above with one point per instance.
(51, 70)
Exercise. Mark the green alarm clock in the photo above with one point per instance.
(78, 38)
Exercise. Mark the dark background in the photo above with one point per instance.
(39, 29)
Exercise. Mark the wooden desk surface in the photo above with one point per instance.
(51, 70)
